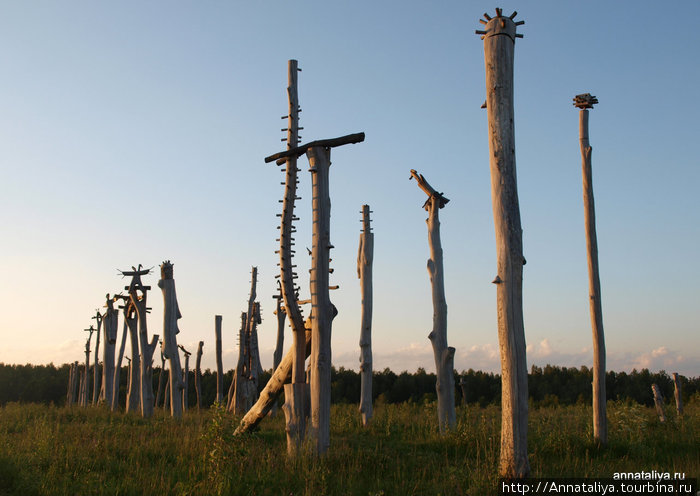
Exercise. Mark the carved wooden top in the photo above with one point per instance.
(500, 25)
(585, 101)
(429, 190)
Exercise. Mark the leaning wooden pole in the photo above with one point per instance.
(658, 402)
(442, 353)
(600, 424)
(171, 314)
(499, 37)
(365, 255)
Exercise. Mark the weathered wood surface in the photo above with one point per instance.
(110, 321)
(237, 400)
(198, 375)
(295, 415)
(442, 353)
(161, 378)
(600, 424)
(133, 395)
(325, 143)
(219, 363)
(499, 43)
(118, 367)
(147, 349)
(96, 368)
(365, 256)
(677, 394)
(322, 310)
(171, 314)
(658, 402)
(85, 385)
(272, 389)
(185, 378)
(279, 345)
(254, 367)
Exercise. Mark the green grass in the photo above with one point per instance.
(48, 450)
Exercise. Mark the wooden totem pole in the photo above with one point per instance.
(198, 376)
(171, 314)
(138, 302)
(96, 367)
(365, 255)
(185, 378)
(254, 368)
(110, 323)
(600, 424)
(499, 37)
(85, 386)
(443, 354)
(219, 363)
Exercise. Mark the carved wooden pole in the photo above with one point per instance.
(219, 363)
(86, 382)
(499, 42)
(130, 380)
(254, 367)
(238, 385)
(118, 367)
(138, 301)
(133, 395)
(96, 367)
(600, 424)
(658, 402)
(365, 255)
(171, 314)
(185, 378)
(281, 314)
(198, 376)
(443, 354)
(110, 323)
(677, 393)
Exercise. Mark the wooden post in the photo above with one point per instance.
(658, 402)
(161, 377)
(110, 323)
(86, 382)
(677, 394)
(463, 386)
(600, 424)
(322, 310)
(171, 314)
(219, 363)
(198, 376)
(499, 42)
(237, 391)
(118, 367)
(185, 378)
(443, 354)
(365, 255)
(281, 314)
(96, 367)
(133, 395)
(253, 367)
(129, 378)
(72, 382)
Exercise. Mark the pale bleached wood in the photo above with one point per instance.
(324, 143)
(658, 402)
(499, 42)
(272, 389)
(118, 367)
(365, 256)
(146, 347)
(322, 310)
(600, 424)
(677, 394)
(110, 321)
(96, 367)
(171, 315)
(237, 402)
(219, 363)
(279, 345)
(442, 353)
(254, 368)
(198, 375)
(133, 395)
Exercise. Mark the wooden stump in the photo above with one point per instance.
(365, 255)
(499, 42)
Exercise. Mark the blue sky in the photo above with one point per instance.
(135, 133)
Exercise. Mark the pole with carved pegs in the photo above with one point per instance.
(365, 255)
(443, 354)
(499, 37)
(600, 425)
(171, 314)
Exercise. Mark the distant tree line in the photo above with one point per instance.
(550, 385)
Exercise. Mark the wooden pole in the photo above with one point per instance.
(96, 367)
(237, 399)
(322, 310)
(86, 382)
(118, 367)
(277, 355)
(499, 42)
(161, 377)
(219, 363)
(443, 354)
(110, 323)
(185, 378)
(171, 314)
(658, 402)
(254, 367)
(147, 348)
(677, 394)
(198, 376)
(600, 425)
(133, 394)
(365, 255)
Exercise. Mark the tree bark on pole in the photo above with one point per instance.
(110, 323)
(322, 310)
(365, 255)
(600, 424)
(443, 354)
(198, 376)
(96, 367)
(219, 363)
(677, 394)
(171, 314)
(118, 367)
(499, 43)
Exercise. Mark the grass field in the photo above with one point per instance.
(47, 450)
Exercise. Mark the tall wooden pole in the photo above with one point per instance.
(677, 393)
(96, 367)
(277, 355)
(86, 382)
(237, 391)
(171, 314)
(110, 322)
(185, 378)
(118, 366)
(133, 395)
(443, 354)
(219, 363)
(365, 255)
(198, 375)
(600, 425)
(499, 37)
